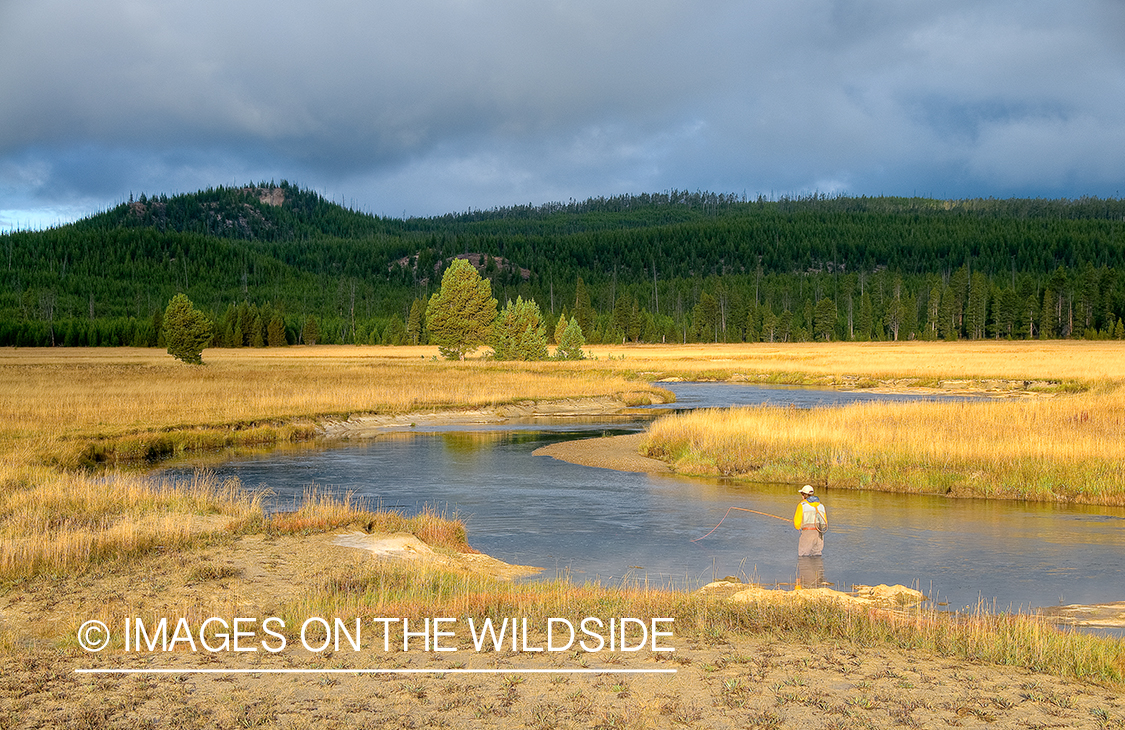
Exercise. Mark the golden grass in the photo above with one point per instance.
(845, 362)
(122, 404)
(319, 512)
(1068, 448)
(65, 402)
(1006, 639)
(65, 408)
(62, 522)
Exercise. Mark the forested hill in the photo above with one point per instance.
(671, 266)
(264, 212)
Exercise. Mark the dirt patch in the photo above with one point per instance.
(404, 546)
(724, 682)
(613, 452)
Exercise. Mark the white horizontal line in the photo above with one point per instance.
(516, 670)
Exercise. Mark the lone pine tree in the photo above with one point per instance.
(459, 317)
(186, 330)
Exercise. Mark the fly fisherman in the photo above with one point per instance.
(812, 521)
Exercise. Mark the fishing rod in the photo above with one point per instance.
(741, 509)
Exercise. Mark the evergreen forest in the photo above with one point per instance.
(274, 264)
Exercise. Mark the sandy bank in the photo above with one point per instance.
(880, 596)
(368, 426)
(762, 679)
(613, 452)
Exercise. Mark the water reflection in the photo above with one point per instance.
(810, 572)
(724, 395)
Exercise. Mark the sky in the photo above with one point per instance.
(434, 106)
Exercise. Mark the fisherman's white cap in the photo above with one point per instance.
(807, 489)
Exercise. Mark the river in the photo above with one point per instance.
(589, 524)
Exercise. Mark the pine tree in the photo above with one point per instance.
(622, 317)
(895, 311)
(933, 313)
(705, 319)
(583, 310)
(275, 333)
(415, 322)
(395, 333)
(186, 330)
(769, 325)
(909, 317)
(570, 345)
(459, 317)
(257, 332)
(976, 312)
(959, 288)
(1047, 317)
(866, 318)
(519, 333)
(560, 328)
(824, 319)
(311, 332)
(784, 326)
(753, 323)
(947, 314)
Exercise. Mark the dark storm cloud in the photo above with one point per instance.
(441, 104)
(348, 84)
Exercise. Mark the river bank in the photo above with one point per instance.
(367, 425)
(815, 664)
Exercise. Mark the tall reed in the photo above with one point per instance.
(63, 522)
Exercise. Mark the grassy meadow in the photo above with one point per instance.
(982, 364)
(79, 424)
(74, 406)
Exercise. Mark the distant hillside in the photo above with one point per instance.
(670, 266)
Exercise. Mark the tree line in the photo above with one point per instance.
(676, 266)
